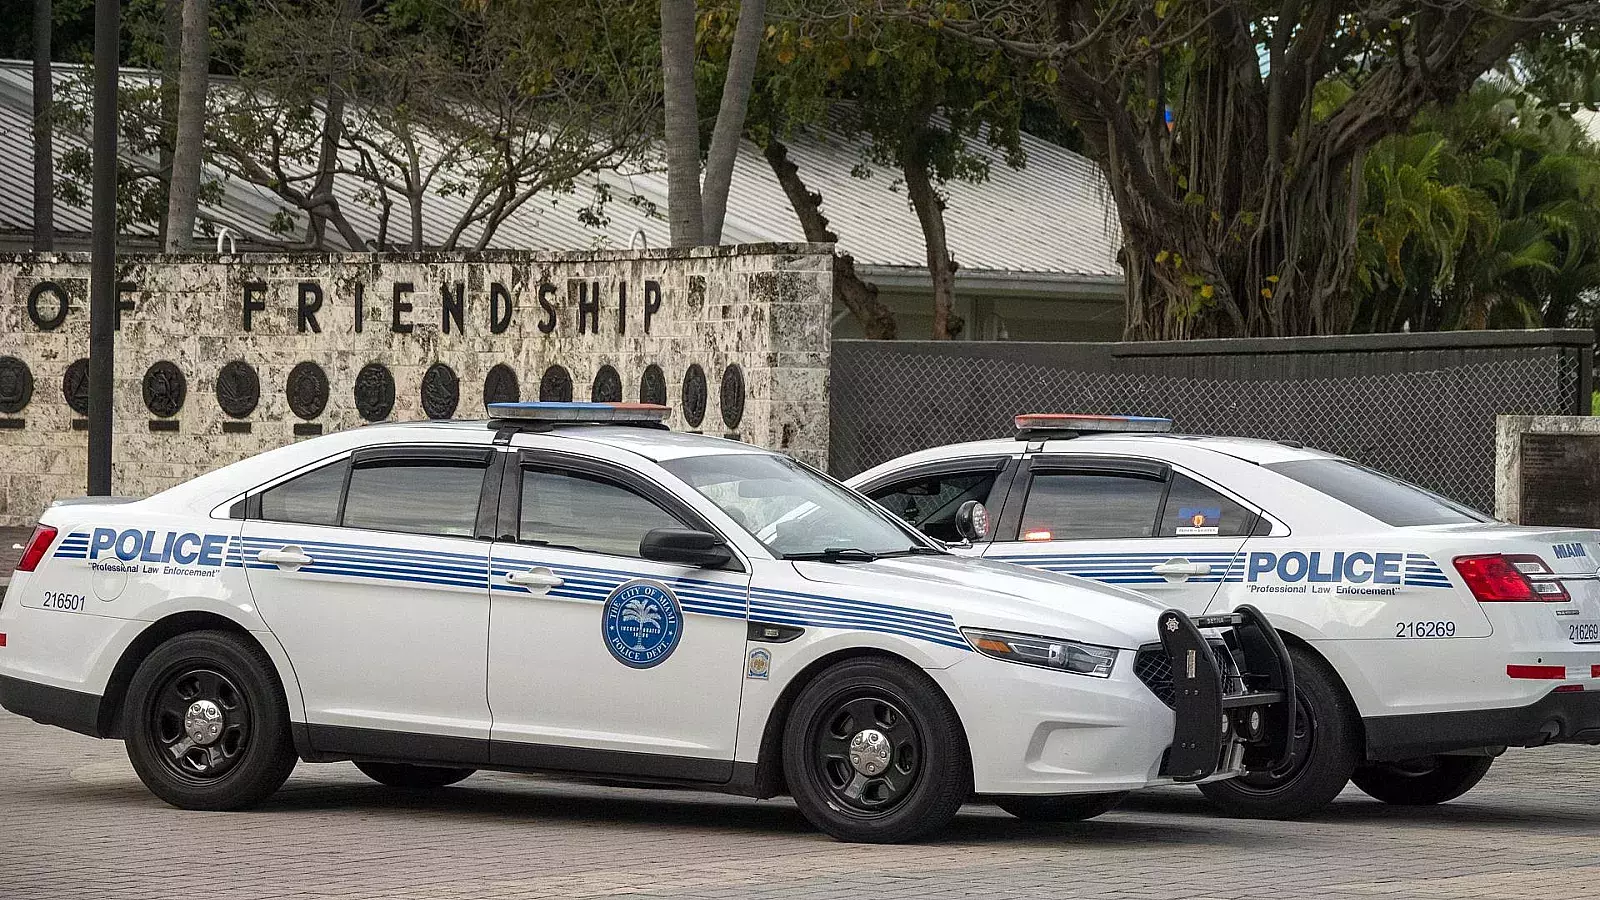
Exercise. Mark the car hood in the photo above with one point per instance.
(1003, 596)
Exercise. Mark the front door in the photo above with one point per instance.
(1129, 522)
(600, 661)
(372, 573)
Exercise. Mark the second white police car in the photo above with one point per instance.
(542, 593)
(1426, 637)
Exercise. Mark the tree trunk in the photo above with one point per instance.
(183, 198)
(859, 296)
(930, 213)
(682, 123)
(171, 51)
(730, 118)
(44, 219)
(328, 153)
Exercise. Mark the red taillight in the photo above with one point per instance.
(43, 537)
(1541, 673)
(1504, 578)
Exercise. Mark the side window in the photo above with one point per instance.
(581, 512)
(310, 499)
(1194, 510)
(1067, 506)
(424, 496)
(930, 502)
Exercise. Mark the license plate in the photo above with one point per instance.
(1583, 632)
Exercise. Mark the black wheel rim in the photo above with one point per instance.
(199, 723)
(1305, 739)
(868, 786)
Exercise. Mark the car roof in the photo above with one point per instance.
(1253, 450)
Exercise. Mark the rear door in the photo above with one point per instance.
(1132, 522)
(372, 571)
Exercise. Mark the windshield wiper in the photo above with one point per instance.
(855, 554)
(835, 554)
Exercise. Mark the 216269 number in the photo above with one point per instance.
(1424, 629)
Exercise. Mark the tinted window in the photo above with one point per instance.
(420, 497)
(1389, 500)
(578, 512)
(312, 498)
(1194, 510)
(1077, 506)
(930, 503)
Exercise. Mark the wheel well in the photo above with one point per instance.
(1299, 643)
(162, 630)
(769, 780)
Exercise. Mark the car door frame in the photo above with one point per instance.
(1008, 523)
(324, 742)
(540, 756)
(1007, 466)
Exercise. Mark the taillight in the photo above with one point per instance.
(43, 537)
(1510, 578)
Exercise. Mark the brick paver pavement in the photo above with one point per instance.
(75, 822)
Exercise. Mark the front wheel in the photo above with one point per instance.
(412, 777)
(1328, 742)
(873, 752)
(1422, 782)
(1069, 808)
(207, 726)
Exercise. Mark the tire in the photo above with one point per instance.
(412, 777)
(1068, 808)
(216, 696)
(914, 772)
(1329, 749)
(1422, 782)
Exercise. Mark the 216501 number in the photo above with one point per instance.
(1424, 629)
(63, 600)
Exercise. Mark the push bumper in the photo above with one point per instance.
(1556, 718)
(1227, 719)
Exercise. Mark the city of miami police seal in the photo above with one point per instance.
(641, 623)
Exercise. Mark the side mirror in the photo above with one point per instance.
(685, 547)
(972, 521)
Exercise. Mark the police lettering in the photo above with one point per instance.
(1568, 551)
(1316, 566)
(153, 547)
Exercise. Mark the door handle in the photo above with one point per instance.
(537, 581)
(1180, 569)
(287, 557)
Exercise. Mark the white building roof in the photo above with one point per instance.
(1051, 221)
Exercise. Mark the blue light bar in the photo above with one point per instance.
(549, 411)
(1075, 423)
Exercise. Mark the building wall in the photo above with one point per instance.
(757, 313)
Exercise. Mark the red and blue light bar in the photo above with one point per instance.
(1079, 423)
(578, 411)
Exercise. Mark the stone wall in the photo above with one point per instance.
(735, 339)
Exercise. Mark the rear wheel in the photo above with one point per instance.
(1069, 808)
(1422, 782)
(873, 752)
(207, 726)
(1328, 745)
(406, 775)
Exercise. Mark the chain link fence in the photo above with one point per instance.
(1425, 413)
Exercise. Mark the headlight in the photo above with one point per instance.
(1046, 652)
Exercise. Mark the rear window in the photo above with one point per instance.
(1389, 500)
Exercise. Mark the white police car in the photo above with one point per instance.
(542, 593)
(1426, 637)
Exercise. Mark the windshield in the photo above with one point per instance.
(1389, 500)
(791, 509)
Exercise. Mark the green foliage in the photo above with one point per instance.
(1486, 215)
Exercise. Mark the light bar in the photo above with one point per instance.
(542, 411)
(1085, 424)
